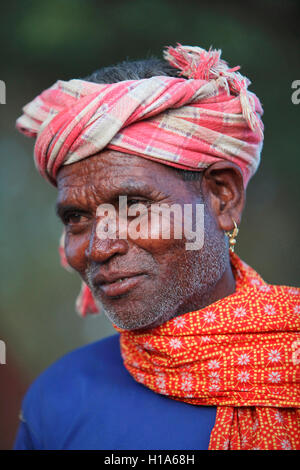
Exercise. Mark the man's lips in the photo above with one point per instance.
(117, 284)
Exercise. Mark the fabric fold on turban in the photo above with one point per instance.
(188, 123)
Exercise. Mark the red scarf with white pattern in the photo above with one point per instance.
(241, 354)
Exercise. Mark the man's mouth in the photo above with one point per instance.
(115, 286)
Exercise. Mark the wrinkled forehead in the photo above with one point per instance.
(114, 172)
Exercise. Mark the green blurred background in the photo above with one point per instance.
(42, 41)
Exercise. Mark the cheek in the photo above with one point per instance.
(168, 256)
(75, 247)
(159, 235)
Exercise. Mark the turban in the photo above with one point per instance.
(187, 123)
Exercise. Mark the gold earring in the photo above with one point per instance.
(232, 236)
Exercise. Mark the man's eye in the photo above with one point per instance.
(132, 201)
(73, 218)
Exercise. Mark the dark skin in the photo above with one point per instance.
(168, 280)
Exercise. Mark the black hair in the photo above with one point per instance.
(133, 70)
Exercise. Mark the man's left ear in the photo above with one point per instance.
(222, 186)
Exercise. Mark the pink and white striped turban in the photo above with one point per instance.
(187, 123)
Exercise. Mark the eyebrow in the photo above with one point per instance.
(129, 187)
(61, 209)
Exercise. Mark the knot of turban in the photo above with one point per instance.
(188, 123)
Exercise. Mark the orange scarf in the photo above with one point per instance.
(240, 354)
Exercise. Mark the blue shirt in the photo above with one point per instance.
(88, 400)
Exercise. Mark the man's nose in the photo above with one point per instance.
(100, 250)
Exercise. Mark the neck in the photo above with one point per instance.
(224, 287)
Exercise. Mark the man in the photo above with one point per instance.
(206, 351)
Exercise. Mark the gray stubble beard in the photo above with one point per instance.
(204, 268)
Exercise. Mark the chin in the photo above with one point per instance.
(131, 318)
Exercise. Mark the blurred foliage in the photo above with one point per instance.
(62, 39)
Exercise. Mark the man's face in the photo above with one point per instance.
(143, 282)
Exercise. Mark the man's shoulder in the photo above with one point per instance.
(73, 371)
(59, 396)
(290, 293)
(97, 353)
